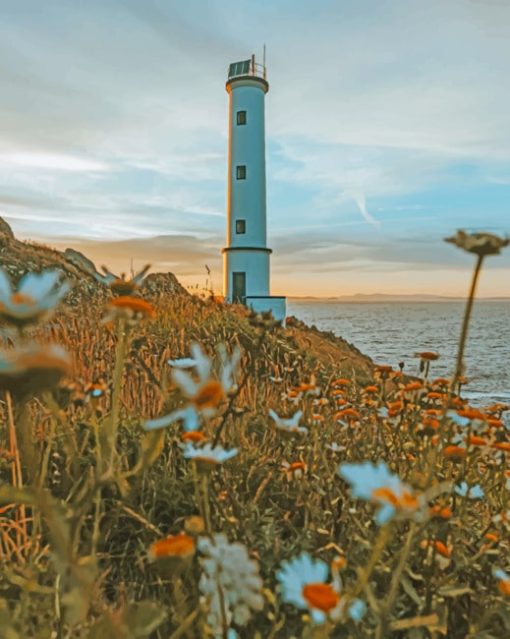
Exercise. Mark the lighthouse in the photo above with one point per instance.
(246, 257)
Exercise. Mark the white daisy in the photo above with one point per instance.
(120, 284)
(376, 483)
(32, 368)
(304, 584)
(471, 492)
(228, 567)
(205, 394)
(503, 580)
(208, 454)
(35, 299)
(290, 425)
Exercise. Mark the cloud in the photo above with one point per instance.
(360, 200)
(50, 162)
(113, 122)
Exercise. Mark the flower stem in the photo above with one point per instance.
(395, 582)
(120, 356)
(465, 323)
(380, 545)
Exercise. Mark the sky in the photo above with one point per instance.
(387, 121)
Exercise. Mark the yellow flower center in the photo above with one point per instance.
(321, 596)
(404, 501)
(193, 436)
(135, 305)
(209, 395)
(19, 298)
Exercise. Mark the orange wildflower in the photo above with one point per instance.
(492, 537)
(443, 512)
(429, 356)
(454, 452)
(342, 382)
(127, 307)
(504, 446)
(441, 381)
(304, 387)
(371, 389)
(435, 395)
(495, 423)
(298, 465)
(338, 563)
(413, 386)
(474, 440)
(347, 413)
(472, 413)
(194, 525)
(178, 546)
(383, 368)
(442, 549)
(431, 423)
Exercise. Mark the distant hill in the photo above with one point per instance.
(382, 297)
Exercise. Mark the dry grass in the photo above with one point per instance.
(75, 527)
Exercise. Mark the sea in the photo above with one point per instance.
(392, 332)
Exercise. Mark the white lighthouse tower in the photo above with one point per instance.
(246, 256)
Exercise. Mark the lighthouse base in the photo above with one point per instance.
(264, 303)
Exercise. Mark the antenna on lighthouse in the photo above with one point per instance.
(264, 59)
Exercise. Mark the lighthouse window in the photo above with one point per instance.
(241, 117)
(240, 227)
(241, 172)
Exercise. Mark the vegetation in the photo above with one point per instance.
(273, 484)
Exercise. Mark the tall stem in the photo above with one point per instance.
(465, 323)
(395, 582)
(120, 356)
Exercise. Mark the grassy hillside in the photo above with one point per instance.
(107, 529)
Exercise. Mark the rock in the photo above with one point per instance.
(80, 261)
(5, 230)
(162, 284)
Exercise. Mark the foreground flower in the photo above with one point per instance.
(230, 582)
(480, 244)
(204, 394)
(208, 455)
(131, 309)
(304, 584)
(503, 581)
(290, 425)
(119, 284)
(35, 299)
(179, 546)
(375, 483)
(33, 368)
